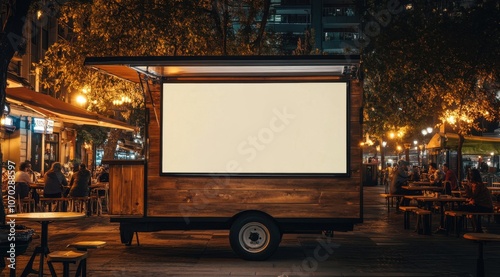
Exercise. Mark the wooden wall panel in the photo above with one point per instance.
(126, 188)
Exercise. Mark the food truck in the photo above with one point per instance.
(257, 145)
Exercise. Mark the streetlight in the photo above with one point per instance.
(425, 132)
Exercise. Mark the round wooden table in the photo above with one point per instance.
(481, 238)
(43, 248)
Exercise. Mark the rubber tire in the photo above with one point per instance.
(254, 224)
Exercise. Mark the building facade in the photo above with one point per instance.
(331, 26)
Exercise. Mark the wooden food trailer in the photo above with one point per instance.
(260, 146)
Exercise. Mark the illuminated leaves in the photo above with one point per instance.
(429, 65)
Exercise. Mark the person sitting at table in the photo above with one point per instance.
(450, 180)
(478, 196)
(80, 182)
(415, 176)
(22, 181)
(103, 176)
(399, 179)
(436, 176)
(54, 182)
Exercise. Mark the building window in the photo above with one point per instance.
(339, 11)
(295, 18)
(295, 2)
(340, 35)
(51, 150)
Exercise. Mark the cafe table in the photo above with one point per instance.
(481, 238)
(421, 183)
(43, 248)
(442, 199)
(423, 188)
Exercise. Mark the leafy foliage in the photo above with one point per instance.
(145, 28)
(428, 64)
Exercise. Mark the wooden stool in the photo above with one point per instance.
(66, 257)
(455, 220)
(406, 215)
(424, 221)
(84, 246)
(390, 199)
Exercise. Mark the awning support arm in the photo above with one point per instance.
(150, 96)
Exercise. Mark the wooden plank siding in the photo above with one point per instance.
(126, 188)
(280, 197)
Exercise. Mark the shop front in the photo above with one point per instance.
(41, 129)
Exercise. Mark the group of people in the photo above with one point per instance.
(479, 198)
(57, 186)
(55, 183)
(401, 175)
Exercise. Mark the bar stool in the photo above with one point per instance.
(66, 257)
(84, 246)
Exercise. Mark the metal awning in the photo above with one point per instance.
(473, 145)
(58, 110)
(129, 68)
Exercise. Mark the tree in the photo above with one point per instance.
(429, 64)
(145, 28)
(11, 38)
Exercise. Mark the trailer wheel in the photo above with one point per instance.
(254, 237)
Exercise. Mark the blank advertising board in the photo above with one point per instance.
(255, 128)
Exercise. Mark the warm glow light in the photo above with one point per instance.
(429, 130)
(384, 143)
(415, 142)
(81, 100)
(424, 132)
(451, 119)
(122, 100)
(391, 135)
(39, 14)
(7, 121)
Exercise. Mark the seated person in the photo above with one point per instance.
(54, 182)
(436, 176)
(103, 177)
(450, 180)
(478, 196)
(80, 182)
(399, 179)
(22, 181)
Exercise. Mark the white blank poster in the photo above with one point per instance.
(255, 128)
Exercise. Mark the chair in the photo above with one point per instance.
(66, 257)
(26, 204)
(78, 204)
(99, 195)
(53, 204)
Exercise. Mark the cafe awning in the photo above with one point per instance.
(58, 110)
(473, 145)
